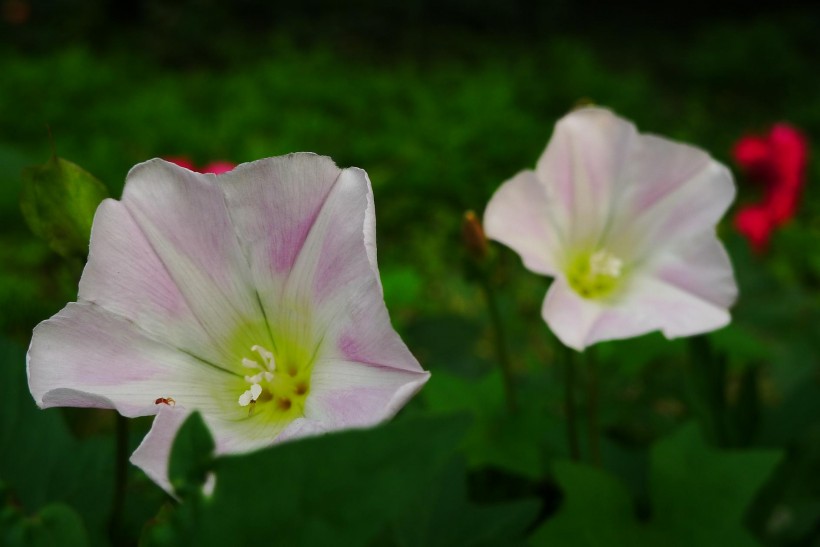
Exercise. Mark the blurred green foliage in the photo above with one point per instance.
(298, 494)
(698, 497)
(439, 115)
(58, 201)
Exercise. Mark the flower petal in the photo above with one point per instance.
(301, 427)
(609, 186)
(347, 394)
(580, 169)
(671, 193)
(185, 220)
(686, 291)
(273, 204)
(154, 452)
(316, 268)
(125, 276)
(518, 216)
(342, 395)
(87, 356)
(579, 322)
(336, 273)
(331, 298)
(691, 288)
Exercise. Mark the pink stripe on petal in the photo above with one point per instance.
(352, 349)
(274, 204)
(346, 394)
(284, 252)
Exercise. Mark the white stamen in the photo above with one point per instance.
(249, 363)
(266, 356)
(605, 263)
(256, 378)
(250, 395)
(265, 373)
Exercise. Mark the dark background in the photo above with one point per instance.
(441, 102)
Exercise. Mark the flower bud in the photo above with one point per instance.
(473, 235)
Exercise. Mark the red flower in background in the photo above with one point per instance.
(777, 162)
(215, 167)
(218, 167)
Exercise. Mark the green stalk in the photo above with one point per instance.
(500, 342)
(120, 480)
(593, 428)
(705, 378)
(569, 404)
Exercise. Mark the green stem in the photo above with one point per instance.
(705, 378)
(569, 405)
(500, 343)
(120, 479)
(593, 429)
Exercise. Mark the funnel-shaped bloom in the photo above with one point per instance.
(253, 297)
(625, 223)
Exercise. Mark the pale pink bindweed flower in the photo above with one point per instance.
(252, 297)
(625, 223)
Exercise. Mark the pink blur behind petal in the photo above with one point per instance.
(182, 161)
(218, 167)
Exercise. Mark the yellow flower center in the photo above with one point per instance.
(596, 274)
(276, 388)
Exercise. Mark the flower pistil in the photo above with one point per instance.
(287, 388)
(594, 274)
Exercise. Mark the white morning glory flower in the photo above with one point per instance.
(625, 223)
(253, 297)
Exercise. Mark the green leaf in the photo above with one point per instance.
(691, 482)
(642, 350)
(58, 201)
(514, 442)
(56, 525)
(40, 462)
(788, 508)
(339, 489)
(698, 497)
(191, 456)
(597, 510)
(445, 517)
